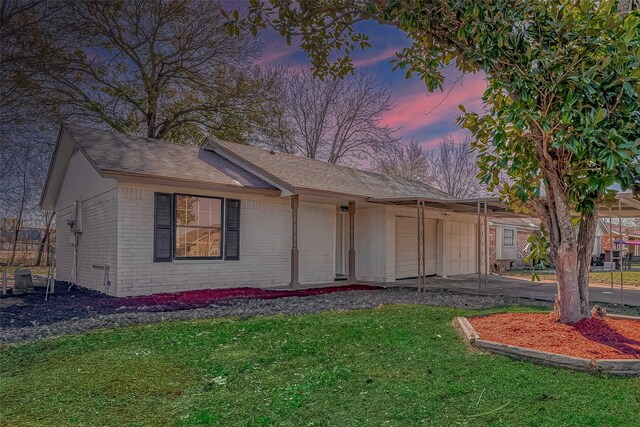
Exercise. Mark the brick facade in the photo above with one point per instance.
(264, 253)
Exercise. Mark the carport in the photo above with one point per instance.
(626, 205)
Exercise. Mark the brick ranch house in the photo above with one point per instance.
(139, 216)
(603, 238)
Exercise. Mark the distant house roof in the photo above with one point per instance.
(296, 174)
(615, 230)
(531, 223)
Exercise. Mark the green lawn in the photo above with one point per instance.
(396, 366)
(629, 278)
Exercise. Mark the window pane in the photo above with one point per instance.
(508, 238)
(198, 211)
(197, 242)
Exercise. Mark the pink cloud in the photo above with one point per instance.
(458, 135)
(418, 109)
(384, 55)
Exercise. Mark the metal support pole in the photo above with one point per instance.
(419, 224)
(486, 246)
(611, 247)
(620, 249)
(424, 257)
(352, 243)
(479, 251)
(294, 241)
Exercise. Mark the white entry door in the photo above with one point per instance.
(407, 247)
(460, 247)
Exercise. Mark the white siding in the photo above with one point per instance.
(316, 242)
(371, 243)
(460, 247)
(406, 241)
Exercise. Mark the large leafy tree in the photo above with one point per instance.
(563, 97)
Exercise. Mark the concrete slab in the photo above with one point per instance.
(509, 286)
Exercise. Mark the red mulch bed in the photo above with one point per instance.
(202, 298)
(589, 338)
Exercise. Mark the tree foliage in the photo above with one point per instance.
(563, 97)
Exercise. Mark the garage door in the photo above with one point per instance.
(407, 247)
(460, 250)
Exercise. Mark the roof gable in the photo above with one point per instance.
(117, 155)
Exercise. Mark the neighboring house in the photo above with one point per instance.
(141, 216)
(508, 240)
(603, 237)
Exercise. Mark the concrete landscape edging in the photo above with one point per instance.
(618, 367)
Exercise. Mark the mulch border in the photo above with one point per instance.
(618, 367)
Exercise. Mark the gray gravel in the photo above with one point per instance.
(338, 301)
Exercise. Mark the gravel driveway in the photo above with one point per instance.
(81, 310)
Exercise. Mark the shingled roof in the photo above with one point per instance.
(122, 153)
(220, 163)
(300, 173)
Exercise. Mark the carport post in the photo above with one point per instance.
(486, 245)
(424, 257)
(294, 240)
(478, 248)
(352, 247)
(611, 248)
(620, 249)
(419, 232)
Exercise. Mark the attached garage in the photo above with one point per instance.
(460, 247)
(407, 247)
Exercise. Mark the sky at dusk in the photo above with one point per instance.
(417, 114)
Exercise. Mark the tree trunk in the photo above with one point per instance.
(570, 249)
(586, 238)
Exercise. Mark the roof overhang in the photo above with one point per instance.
(627, 206)
(155, 180)
(495, 208)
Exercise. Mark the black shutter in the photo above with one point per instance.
(163, 232)
(232, 230)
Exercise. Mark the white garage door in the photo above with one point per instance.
(460, 247)
(407, 247)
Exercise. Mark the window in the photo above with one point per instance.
(195, 227)
(508, 237)
(198, 226)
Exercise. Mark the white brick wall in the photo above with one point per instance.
(97, 244)
(265, 244)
